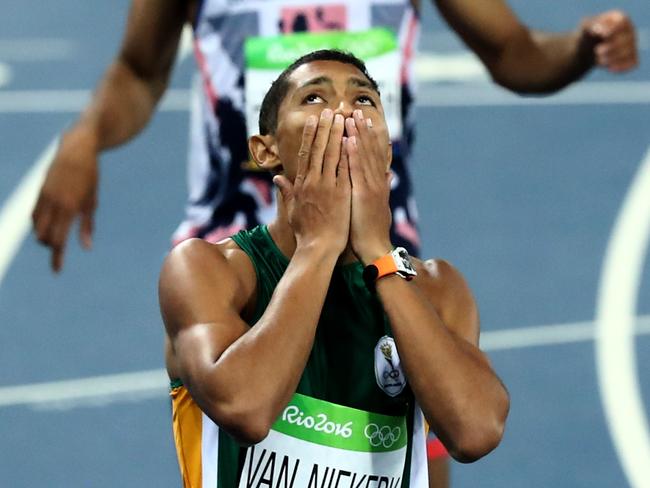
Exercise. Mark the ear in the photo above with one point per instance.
(389, 155)
(264, 151)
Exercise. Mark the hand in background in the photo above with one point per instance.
(69, 191)
(615, 48)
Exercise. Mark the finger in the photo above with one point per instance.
(56, 236)
(57, 258)
(308, 133)
(59, 237)
(86, 227)
(379, 149)
(609, 23)
(42, 219)
(320, 142)
(622, 66)
(618, 57)
(362, 128)
(285, 186)
(366, 142)
(357, 176)
(389, 178)
(350, 128)
(37, 211)
(343, 168)
(617, 44)
(333, 149)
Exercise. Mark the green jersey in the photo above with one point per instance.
(353, 421)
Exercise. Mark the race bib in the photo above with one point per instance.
(267, 57)
(316, 444)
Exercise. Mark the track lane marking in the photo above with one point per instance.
(141, 385)
(15, 213)
(614, 346)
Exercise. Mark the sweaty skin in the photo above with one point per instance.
(331, 151)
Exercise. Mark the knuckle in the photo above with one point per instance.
(47, 238)
(42, 237)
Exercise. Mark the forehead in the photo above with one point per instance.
(335, 70)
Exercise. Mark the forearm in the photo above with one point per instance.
(518, 58)
(120, 107)
(127, 95)
(538, 62)
(259, 372)
(461, 397)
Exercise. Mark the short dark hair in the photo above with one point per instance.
(268, 122)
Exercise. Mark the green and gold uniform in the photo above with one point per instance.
(353, 421)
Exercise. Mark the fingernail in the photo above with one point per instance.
(369, 123)
(327, 113)
(311, 120)
(338, 119)
(358, 114)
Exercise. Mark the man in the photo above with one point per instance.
(226, 192)
(312, 339)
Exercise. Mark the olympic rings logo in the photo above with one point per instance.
(382, 436)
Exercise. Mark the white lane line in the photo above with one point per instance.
(548, 335)
(429, 95)
(185, 45)
(490, 95)
(37, 49)
(615, 350)
(15, 213)
(126, 387)
(123, 387)
(63, 101)
(6, 74)
(450, 67)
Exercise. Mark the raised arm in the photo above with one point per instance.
(242, 378)
(433, 318)
(120, 107)
(528, 61)
(435, 324)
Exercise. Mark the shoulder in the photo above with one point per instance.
(450, 294)
(439, 275)
(202, 258)
(195, 271)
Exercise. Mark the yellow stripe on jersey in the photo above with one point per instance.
(186, 422)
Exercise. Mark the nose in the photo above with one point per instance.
(344, 108)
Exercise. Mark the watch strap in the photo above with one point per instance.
(385, 265)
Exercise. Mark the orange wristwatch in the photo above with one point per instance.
(396, 262)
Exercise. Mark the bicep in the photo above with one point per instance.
(200, 301)
(453, 300)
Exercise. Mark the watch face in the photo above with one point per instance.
(404, 262)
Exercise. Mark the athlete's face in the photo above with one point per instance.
(319, 85)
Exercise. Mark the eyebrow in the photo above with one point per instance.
(354, 81)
